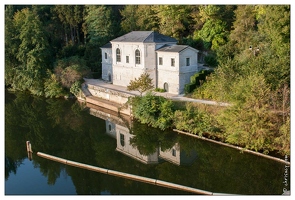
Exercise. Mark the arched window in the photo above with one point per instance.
(118, 55)
(110, 77)
(137, 56)
(166, 87)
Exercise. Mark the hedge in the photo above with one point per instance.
(196, 79)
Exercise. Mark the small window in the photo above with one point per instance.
(118, 55)
(173, 152)
(105, 55)
(160, 61)
(110, 128)
(137, 56)
(122, 140)
(127, 59)
(187, 62)
(172, 62)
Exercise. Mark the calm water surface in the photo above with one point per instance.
(99, 137)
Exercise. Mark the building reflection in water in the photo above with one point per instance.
(118, 127)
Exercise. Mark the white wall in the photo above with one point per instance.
(150, 61)
(185, 72)
(131, 151)
(108, 94)
(167, 73)
(168, 154)
(106, 63)
(123, 72)
(177, 76)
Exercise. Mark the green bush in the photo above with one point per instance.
(156, 111)
(196, 80)
(211, 60)
(52, 87)
(193, 120)
(75, 88)
(188, 88)
(160, 90)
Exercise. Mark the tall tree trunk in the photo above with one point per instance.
(78, 34)
(72, 35)
(66, 36)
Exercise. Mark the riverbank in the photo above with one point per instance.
(235, 147)
(105, 90)
(114, 98)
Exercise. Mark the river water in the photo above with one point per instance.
(95, 136)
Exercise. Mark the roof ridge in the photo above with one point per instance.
(152, 32)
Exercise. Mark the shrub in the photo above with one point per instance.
(211, 60)
(75, 88)
(196, 80)
(193, 120)
(52, 87)
(156, 111)
(160, 90)
(188, 88)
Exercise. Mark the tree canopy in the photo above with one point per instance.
(49, 48)
(141, 84)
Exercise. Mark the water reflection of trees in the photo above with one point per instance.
(61, 128)
(147, 139)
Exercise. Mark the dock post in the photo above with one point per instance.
(29, 150)
(29, 147)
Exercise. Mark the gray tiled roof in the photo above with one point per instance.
(145, 37)
(107, 45)
(173, 48)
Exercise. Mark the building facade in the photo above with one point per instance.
(168, 64)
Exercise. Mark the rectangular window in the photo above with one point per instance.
(118, 55)
(187, 62)
(122, 140)
(160, 61)
(127, 59)
(173, 152)
(172, 62)
(105, 55)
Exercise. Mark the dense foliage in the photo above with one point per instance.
(156, 111)
(50, 48)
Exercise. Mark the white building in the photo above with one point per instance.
(123, 136)
(168, 64)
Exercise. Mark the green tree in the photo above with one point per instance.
(174, 20)
(129, 18)
(98, 24)
(141, 84)
(52, 86)
(193, 120)
(32, 55)
(99, 27)
(147, 18)
(244, 26)
(71, 17)
(217, 21)
(156, 111)
(274, 28)
(12, 43)
(70, 70)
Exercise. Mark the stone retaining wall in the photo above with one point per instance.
(109, 94)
